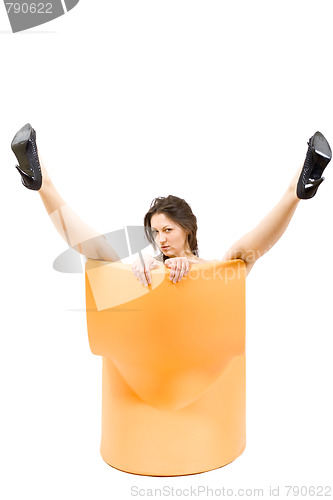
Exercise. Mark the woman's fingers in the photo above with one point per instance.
(143, 277)
(179, 268)
(182, 270)
(177, 271)
(147, 276)
(142, 274)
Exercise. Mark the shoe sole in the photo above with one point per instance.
(318, 156)
(19, 147)
(25, 149)
(322, 155)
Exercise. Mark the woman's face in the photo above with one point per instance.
(171, 238)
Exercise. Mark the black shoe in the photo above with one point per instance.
(317, 158)
(25, 149)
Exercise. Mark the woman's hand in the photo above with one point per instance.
(179, 266)
(142, 273)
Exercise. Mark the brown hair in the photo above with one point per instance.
(179, 212)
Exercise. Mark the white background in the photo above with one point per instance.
(210, 101)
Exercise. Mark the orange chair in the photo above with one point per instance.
(173, 398)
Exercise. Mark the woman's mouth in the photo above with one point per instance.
(165, 248)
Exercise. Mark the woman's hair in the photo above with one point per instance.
(179, 212)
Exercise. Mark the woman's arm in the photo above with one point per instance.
(263, 237)
(73, 230)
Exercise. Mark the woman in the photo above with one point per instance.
(170, 225)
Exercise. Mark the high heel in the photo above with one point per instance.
(318, 156)
(25, 149)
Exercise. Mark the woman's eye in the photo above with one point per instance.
(155, 232)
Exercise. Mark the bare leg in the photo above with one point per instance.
(263, 237)
(73, 230)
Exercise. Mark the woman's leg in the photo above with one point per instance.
(263, 237)
(73, 230)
